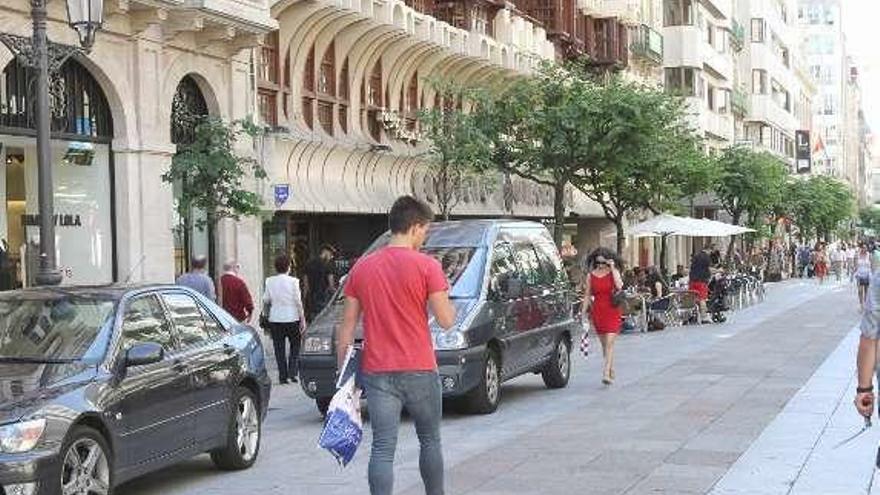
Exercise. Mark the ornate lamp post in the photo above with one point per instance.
(44, 57)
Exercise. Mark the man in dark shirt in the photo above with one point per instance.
(320, 281)
(700, 275)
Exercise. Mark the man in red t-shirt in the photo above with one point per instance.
(391, 288)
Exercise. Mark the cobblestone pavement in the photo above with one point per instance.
(688, 403)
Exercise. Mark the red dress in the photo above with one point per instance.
(605, 316)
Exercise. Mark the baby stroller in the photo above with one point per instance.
(717, 302)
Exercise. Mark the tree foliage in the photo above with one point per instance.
(210, 175)
(750, 184)
(818, 205)
(457, 147)
(869, 218)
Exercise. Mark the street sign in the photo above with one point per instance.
(282, 194)
(803, 161)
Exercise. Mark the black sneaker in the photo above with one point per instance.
(294, 380)
(283, 381)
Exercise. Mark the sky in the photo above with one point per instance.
(860, 23)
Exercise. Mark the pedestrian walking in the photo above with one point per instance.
(821, 262)
(698, 281)
(286, 318)
(319, 281)
(863, 273)
(838, 257)
(197, 279)
(234, 294)
(851, 255)
(603, 281)
(391, 288)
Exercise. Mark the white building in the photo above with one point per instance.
(119, 113)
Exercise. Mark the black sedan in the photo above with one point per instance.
(99, 385)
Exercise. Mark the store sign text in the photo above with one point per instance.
(66, 220)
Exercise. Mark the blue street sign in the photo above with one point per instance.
(282, 194)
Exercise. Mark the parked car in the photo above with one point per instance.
(99, 385)
(514, 310)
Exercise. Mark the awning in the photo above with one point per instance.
(666, 225)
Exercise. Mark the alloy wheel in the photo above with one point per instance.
(247, 425)
(492, 380)
(85, 470)
(562, 358)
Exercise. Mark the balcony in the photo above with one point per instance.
(765, 109)
(737, 36)
(647, 44)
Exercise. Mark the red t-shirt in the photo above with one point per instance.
(392, 286)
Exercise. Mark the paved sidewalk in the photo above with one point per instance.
(802, 451)
(687, 404)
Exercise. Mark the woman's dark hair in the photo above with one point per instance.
(282, 264)
(408, 212)
(603, 253)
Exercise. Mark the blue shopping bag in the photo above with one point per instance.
(343, 428)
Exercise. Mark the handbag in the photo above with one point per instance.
(618, 299)
(264, 316)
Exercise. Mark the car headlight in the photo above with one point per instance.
(318, 345)
(22, 436)
(451, 339)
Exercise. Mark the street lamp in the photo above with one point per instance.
(37, 53)
(86, 18)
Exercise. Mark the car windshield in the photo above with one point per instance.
(53, 328)
(454, 260)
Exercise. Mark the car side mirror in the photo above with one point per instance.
(143, 353)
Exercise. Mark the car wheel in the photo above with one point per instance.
(86, 466)
(485, 397)
(323, 404)
(244, 435)
(558, 369)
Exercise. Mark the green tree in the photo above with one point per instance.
(644, 154)
(210, 176)
(750, 184)
(457, 147)
(869, 219)
(538, 128)
(818, 205)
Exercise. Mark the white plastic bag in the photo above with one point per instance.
(343, 428)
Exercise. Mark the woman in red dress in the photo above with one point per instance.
(602, 282)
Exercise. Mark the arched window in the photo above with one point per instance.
(285, 84)
(79, 109)
(268, 80)
(187, 109)
(327, 88)
(374, 101)
(412, 102)
(344, 87)
(308, 98)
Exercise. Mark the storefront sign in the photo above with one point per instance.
(282, 194)
(66, 220)
(802, 152)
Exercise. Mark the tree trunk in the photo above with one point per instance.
(737, 216)
(559, 212)
(621, 237)
(664, 240)
(213, 272)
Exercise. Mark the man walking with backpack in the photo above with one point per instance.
(391, 289)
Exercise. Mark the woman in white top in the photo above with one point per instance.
(863, 273)
(286, 318)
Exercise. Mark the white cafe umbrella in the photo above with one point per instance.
(666, 225)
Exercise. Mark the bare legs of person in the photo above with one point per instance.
(863, 295)
(607, 341)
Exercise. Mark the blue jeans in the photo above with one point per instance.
(387, 395)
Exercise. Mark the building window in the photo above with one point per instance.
(326, 88)
(344, 88)
(758, 33)
(268, 81)
(308, 89)
(710, 97)
(678, 12)
(374, 101)
(682, 80)
(759, 82)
